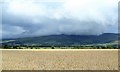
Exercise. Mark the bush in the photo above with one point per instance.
(53, 47)
(5, 46)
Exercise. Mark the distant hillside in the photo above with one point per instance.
(64, 40)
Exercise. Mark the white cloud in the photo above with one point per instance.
(46, 17)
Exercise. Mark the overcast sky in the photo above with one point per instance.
(21, 18)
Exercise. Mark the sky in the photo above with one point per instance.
(28, 18)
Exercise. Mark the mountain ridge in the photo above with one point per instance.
(64, 40)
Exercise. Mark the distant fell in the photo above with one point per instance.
(64, 40)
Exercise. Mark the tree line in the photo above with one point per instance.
(60, 47)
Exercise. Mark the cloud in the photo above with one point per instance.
(22, 18)
(11, 31)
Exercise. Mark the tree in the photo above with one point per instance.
(109, 47)
(5, 46)
(14, 47)
(53, 47)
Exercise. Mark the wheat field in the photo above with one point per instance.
(60, 59)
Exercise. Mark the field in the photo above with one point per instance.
(60, 59)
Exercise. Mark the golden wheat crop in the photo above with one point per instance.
(57, 59)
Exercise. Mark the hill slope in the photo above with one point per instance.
(64, 40)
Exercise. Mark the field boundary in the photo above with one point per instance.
(60, 71)
(59, 49)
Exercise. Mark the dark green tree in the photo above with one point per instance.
(52, 47)
(5, 46)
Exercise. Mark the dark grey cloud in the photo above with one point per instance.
(54, 21)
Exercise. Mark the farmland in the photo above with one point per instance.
(60, 59)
